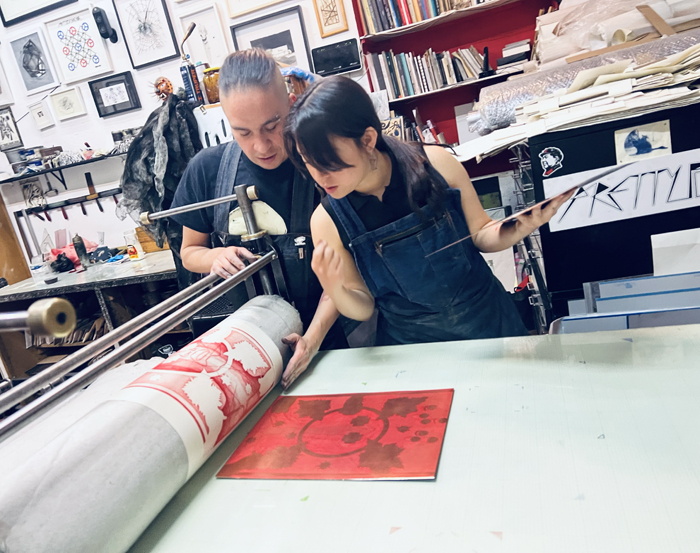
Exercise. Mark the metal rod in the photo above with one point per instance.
(47, 317)
(58, 370)
(147, 217)
(132, 346)
(246, 209)
(15, 320)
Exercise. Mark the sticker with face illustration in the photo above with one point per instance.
(551, 160)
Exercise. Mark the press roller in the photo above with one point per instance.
(98, 484)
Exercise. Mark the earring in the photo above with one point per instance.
(373, 162)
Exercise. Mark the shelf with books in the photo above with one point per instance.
(394, 15)
(471, 82)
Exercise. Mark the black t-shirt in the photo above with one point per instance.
(274, 187)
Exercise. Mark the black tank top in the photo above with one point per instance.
(373, 212)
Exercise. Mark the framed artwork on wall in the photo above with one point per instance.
(330, 15)
(34, 62)
(5, 92)
(42, 115)
(115, 94)
(281, 34)
(68, 104)
(236, 8)
(78, 49)
(9, 135)
(208, 41)
(147, 30)
(16, 11)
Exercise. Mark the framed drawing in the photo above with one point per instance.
(9, 135)
(78, 49)
(34, 63)
(147, 30)
(330, 15)
(236, 8)
(42, 115)
(393, 127)
(14, 11)
(115, 94)
(208, 42)
(5, 93)
(281, 34)
(68, 104)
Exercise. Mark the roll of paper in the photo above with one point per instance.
(99, 483)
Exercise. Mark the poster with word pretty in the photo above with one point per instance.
(78, 49)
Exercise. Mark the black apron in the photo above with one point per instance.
(295, 248)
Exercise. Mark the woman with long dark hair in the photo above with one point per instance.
(391, 208)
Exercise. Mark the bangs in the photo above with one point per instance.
(315, 146)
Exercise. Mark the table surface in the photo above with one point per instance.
(568, 443)
(154, 266)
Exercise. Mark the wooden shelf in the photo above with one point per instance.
(446, 17)
(477, 82)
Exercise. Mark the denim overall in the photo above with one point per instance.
(295, 247)
(451, 295)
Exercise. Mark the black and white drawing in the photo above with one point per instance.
(35, 67)
(208, 42)
(115, 94)
(42, 115)
(280, 46)
(635, 190)
(9, 135)
(147, 31)
(282, 34)
(643, 142)
(68, 104)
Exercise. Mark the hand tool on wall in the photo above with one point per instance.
(92, 194)
(30, 228)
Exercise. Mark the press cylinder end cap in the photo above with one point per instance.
(252, 193)
(51, 317)
(145, 218)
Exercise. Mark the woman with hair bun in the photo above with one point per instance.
(391, 208)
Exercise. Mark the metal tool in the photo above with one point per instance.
(148, 218)
(152, 333)
(47, 317)
(32, 234)
(57, 371)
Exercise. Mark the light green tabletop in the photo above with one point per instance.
(562, 444)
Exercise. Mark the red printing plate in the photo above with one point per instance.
(380, 436)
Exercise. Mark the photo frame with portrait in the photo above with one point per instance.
(68, 104)
(281, 34)
(147, 31)
(115, 94)
(9, 134)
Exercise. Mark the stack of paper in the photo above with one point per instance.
(616, 91)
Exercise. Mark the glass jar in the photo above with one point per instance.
(211, 84)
